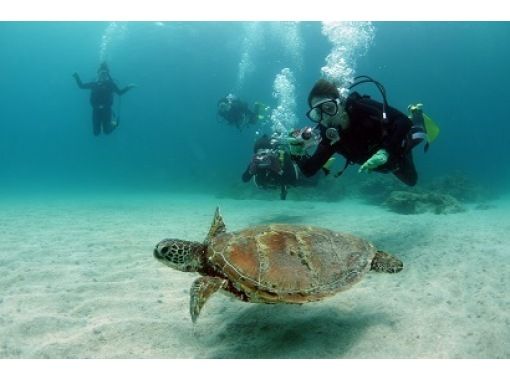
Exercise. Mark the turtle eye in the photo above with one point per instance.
(164, 250)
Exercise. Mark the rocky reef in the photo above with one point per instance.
(459, 186)
(407, 202)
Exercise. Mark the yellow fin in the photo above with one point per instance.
(328, 163)
(431, 127)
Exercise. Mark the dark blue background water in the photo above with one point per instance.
(169, 136)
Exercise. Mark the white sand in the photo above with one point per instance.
(78, 280)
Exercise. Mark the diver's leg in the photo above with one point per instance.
(108, 124)
(283, 192)
(96, 121)
(406, 171)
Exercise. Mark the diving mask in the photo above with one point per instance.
(328, 107)
(103, 75)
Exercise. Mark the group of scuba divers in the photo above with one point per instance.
(366, 132)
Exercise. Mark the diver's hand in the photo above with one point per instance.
(299, 140)
(297, 146)
(131, 85)
(378, 159)
(252, 169)
(76, 76)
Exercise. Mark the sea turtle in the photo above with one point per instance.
(275, 263)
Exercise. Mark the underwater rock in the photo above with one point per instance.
(459, 186)
(406, 202)
(484, 206)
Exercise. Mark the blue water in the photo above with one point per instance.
(169, 136)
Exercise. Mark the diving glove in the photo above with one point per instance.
(297, 146)
(378, 159)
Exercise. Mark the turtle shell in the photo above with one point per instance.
(289, 263)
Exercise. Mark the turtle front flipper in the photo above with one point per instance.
(200, 291)
(217, 226)
(384, 262)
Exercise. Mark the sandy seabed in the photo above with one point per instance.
(79, 280)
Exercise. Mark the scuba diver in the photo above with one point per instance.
(378, 137)
(272, 167)
(237, 113)
(101, 99)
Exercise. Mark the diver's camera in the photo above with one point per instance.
(307, 133)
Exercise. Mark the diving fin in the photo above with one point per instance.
(431, 128)
(419, 118)
(328, 163)
(326, 168)
(115, 121)
(261, 110)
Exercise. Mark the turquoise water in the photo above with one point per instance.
(169, 135)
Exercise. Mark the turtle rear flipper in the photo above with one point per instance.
(384, 262)
(200, 291)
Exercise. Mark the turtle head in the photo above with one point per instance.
(384, 262)
(182, 255)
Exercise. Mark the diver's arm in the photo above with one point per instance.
(81, 84)
(247, 174)
(124, 90)
(397, 132)
(283, 192)
(309, 165)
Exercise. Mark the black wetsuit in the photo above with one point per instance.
(239, 113)
(365, 135)
(101, 99)
(268, 178)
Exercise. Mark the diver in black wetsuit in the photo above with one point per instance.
(237, 113)
(366, 132)
(101, 99)
(272, 168)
